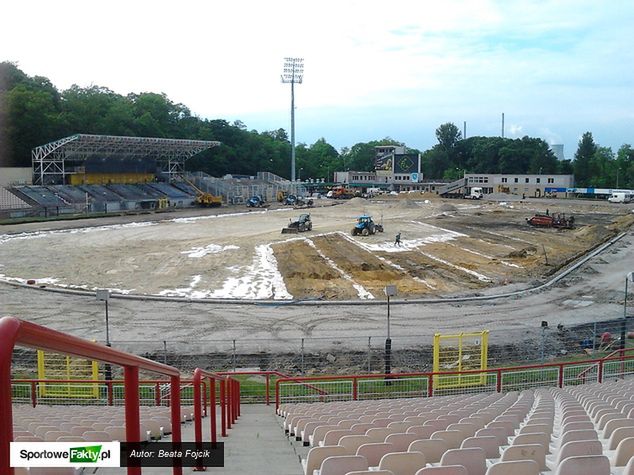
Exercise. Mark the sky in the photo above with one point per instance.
(373, 69)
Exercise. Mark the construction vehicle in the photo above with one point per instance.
(551, 221)
(297, 201)
(341, 193)
(203, 198)
(365, 226)
(475, 193)
(303, 223)
(256, 201)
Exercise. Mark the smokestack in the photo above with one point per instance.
(502, 124)
(464, 129)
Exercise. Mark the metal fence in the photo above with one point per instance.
(366, 354)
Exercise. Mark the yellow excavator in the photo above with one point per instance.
(204, 199)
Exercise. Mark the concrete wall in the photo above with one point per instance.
(16, 176)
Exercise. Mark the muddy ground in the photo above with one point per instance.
(449, 247)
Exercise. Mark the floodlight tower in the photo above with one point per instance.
(293, 73)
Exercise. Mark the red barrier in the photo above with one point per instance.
(17, 332)
(229, 407)
(499, 372)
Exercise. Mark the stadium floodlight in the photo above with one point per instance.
(293, 73)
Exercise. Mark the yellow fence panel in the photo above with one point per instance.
(460, 352)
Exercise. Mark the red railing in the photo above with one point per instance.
(267, 375)
(17, 332)
(109, 384)
(599, 366)
(229, 404)
(431, 378)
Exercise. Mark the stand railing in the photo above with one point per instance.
(15, 332)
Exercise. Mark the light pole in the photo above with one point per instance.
(104, 296)
(390, 291)
(617, 177)
(629, 276)
(293, 73)
(299, 175)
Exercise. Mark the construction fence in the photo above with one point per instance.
(366, 354)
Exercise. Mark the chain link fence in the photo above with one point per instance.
(365, 354)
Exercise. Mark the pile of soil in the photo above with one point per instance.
(447, 208)
(405, 204)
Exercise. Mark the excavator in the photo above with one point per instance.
(203, 198)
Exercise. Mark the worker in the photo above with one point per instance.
(397, 241)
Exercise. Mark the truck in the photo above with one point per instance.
(475, 193)
(620, 197)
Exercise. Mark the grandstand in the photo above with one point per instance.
(574, 418)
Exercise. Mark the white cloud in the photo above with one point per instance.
(401, 70)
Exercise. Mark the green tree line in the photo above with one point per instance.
(34, 112)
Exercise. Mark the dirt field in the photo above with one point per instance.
(448, 248)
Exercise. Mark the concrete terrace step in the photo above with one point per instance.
(255, 445)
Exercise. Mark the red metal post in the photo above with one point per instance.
(212, 409)
(268, 385)
(198, 426)
(132, 418)
(223, 410)
(204, 390)
(33, 393)
(157, 394)
(430, 385)
(277, 395)
(175, 400)
(228, 392)
(238, 400)
(600, 372)
(9, 329)
(355, 389)
(498, 383)
(560, 376)
(110, 391)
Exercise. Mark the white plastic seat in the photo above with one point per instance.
(402, 463)
(514, 467)
(584, 465)
(473, 459)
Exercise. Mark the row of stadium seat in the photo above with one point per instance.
(88, 423)
(583, 430)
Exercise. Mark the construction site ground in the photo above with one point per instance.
(449, 248)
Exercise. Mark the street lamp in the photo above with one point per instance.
(629, 276)
(390, 291)
(299, 175)
(617, 176)
(293, 72)
(103, 295)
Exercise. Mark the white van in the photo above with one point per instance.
(620, 197)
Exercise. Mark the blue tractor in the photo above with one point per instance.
(255, 201)
(365, 226)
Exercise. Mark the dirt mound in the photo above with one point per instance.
(523, 253)
(447, 208)
(405, 204)
(502, 197)
(357, 201)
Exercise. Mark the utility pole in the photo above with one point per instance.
(293, 73)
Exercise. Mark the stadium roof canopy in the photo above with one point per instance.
(54, 161)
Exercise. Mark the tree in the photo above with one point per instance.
(585, 151)
(448, 136)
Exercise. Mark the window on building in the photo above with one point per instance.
(527, 180)
(504, 180)
(517, 180)
(537, 180)
(551, 180)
